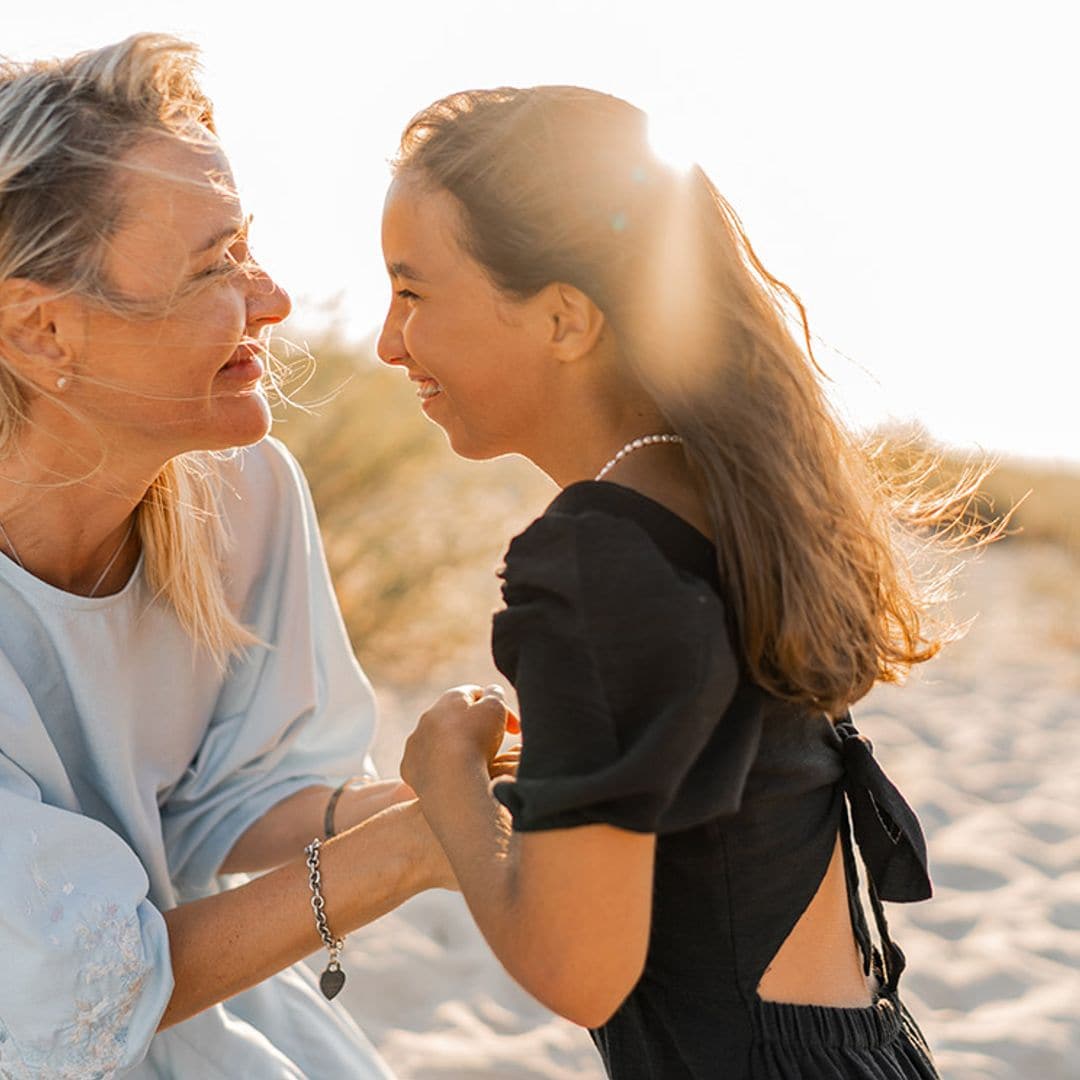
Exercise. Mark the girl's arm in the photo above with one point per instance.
(566, 911)
(227, 943)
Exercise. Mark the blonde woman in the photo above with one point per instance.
(686, 626)
(178, 699)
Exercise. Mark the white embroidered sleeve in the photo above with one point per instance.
(86, 969)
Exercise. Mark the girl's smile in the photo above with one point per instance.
(477, 357)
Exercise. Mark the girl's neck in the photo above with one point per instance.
(661, 472)
(580, 445)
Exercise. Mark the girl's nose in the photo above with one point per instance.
(390, 346)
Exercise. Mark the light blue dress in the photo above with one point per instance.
(128, 768)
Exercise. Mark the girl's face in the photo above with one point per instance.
(479, 359)
(187, 374)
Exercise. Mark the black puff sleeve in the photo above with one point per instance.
(632, 709)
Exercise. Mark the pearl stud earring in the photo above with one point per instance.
(61, 382)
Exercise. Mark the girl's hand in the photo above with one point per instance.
(465, 725)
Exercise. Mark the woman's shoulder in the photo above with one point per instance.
(264, 472)
(262, 490)
(265, 505)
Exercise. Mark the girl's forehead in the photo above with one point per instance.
(422, 224)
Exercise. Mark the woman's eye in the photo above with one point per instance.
(232, 260)
(219, 269)
(406, 294)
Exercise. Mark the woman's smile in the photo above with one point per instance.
(244, 367)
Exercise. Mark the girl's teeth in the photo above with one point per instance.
(428, 390)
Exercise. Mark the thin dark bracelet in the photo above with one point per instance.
(333, 978)
(331, 806)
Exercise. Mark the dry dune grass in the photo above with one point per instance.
(413, 534)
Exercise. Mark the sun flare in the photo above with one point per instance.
(674, 137)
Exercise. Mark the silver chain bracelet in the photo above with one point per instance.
(333, 978)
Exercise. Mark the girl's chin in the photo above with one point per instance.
(471, 448)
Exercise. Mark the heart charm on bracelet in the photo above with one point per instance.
(331, 981)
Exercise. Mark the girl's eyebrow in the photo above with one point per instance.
(401, 269)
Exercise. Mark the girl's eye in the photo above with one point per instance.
(406, 294)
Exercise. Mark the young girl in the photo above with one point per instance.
(687, 624)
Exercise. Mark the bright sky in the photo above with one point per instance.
(911, 170)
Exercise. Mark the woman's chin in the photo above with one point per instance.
(247, 421)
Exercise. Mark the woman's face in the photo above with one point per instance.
(187, 374)
(478, 358)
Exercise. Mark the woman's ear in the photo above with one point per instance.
(576, 322)
(31, 338)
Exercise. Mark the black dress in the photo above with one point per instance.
(635, 712)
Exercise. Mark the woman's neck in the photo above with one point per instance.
(67, 521)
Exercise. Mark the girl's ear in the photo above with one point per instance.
(576, 322)
(31, 337)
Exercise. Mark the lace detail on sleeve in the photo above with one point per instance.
(106, 949)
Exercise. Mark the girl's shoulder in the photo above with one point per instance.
(615, 638)
(596, 536)
(609, 580)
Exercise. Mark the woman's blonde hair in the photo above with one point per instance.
(65, 125)
(813, 541)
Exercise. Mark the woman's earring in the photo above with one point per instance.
(61, 382)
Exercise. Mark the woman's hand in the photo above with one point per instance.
(358, 802)
(505, 765)
(466, 725)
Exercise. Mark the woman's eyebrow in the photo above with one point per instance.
(236, 229)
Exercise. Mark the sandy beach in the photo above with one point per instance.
(984, 742)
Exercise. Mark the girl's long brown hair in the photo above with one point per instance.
(815, 544)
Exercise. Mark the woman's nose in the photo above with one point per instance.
(268, 302)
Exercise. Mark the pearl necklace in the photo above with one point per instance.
(101, 577)
(636, 444)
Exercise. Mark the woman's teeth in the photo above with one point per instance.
(428, 389)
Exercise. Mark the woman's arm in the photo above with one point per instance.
(566, 911)
(288, 826)
(227, 943)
